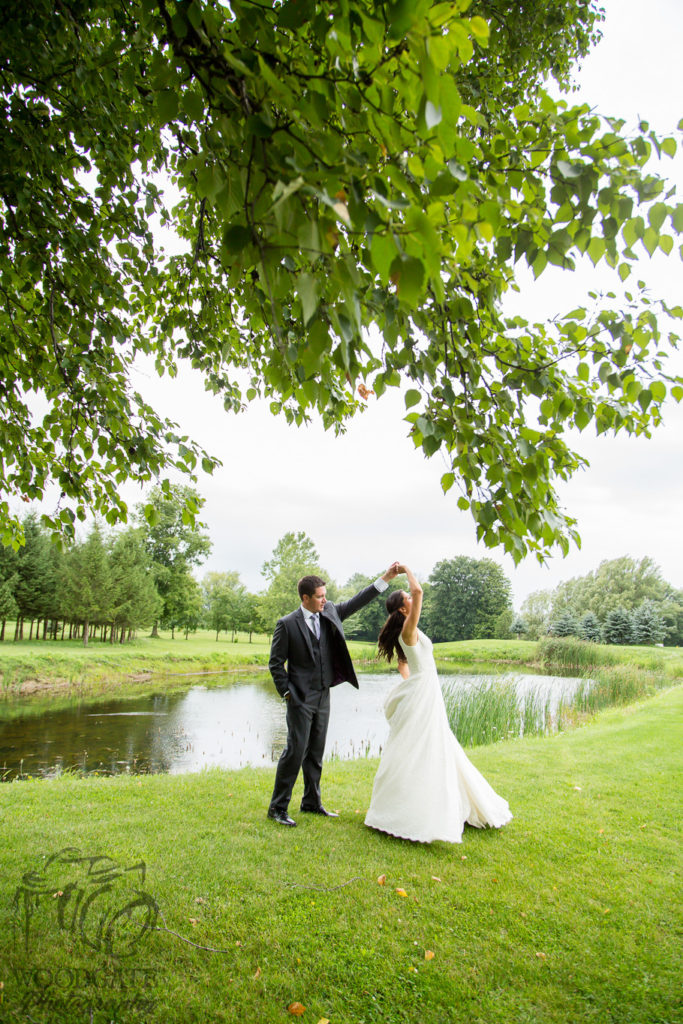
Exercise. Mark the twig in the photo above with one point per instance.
(170, 931)
(324, 888)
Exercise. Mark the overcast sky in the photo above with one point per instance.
(369, 497)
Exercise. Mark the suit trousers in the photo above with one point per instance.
(306, 735)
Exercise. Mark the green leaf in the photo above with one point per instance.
(412, 397)
(167, 105)
(307, 289)
(236, 237)
(408, 274)
(383, 253)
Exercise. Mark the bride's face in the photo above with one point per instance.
(407, 604)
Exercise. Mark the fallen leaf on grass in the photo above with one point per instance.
(429, 954)
(258, 973)
(381, 880)
(541, 956)
(194, 921)
(464, 856)
(323, 1020)
(401, 892)
(296, 1009)
(199, 899)
(435, 878)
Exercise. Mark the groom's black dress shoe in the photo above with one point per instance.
(319, 810)
(281, 817)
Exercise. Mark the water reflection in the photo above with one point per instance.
(230, 726)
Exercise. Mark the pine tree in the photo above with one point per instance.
(618, 628)
(589, 628)
(566, 625)
(648, 626)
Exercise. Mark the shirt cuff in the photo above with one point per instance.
(381, 585)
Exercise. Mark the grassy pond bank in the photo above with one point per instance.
(212, 913)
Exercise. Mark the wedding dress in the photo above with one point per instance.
(426, 788)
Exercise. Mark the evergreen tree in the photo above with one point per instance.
(589, 628)
(565, 625)
(33, 571)
(9, 561)
(518, 627)
(134, 598)
(88, 584)
(648, 627)
(618, 627)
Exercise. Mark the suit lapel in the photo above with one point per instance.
(301, 623)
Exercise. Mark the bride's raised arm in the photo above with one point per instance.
(409, 631)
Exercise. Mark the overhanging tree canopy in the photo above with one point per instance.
(339, 166)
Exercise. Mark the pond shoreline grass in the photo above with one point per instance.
(569, 913)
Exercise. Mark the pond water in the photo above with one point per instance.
(228, 726)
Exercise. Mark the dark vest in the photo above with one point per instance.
(323, 673)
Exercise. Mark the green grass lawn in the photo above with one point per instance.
(569, 914)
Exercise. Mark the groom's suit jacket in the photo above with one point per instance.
(292, 663)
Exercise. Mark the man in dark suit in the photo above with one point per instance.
(308, 655)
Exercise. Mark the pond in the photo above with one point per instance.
(229, 725)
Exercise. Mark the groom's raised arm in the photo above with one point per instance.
(367, 594)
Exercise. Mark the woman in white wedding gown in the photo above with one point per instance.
(426, 788)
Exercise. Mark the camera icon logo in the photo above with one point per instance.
(92, 896)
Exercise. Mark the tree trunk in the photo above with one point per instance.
(30, 632)
(2, 631)
(86, 632)
(155, 629)
(123, 634)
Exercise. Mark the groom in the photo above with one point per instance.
(308, 655)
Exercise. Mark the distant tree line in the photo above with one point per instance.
(623, 601)
(110, 587)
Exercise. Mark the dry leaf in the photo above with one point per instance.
(258, 973)
(365, 392)
(522, 913)
(541, 956)
(429, 954)
(577, 788)
(323, 1020)
(194, 921)
(296, 1009)
(56, 894)
(435, 878)
(381, 880)
(200, 900)
(401, 892)
(464, 856)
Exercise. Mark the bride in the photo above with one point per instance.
(426, 788)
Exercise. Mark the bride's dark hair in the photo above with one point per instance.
(387, 642)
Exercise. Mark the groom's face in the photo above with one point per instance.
(315, 602)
